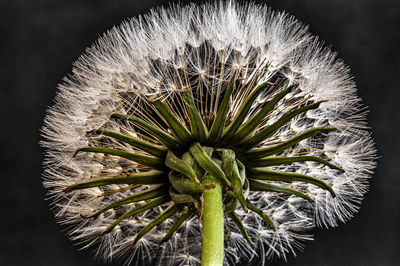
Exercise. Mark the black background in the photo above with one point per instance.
(41, 39)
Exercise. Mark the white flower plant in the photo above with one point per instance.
(212, 133)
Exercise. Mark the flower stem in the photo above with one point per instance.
(213, 225)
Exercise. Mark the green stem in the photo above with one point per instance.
(212, 253)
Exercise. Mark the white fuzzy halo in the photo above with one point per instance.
(122, 63)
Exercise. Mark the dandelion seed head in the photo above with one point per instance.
(203, 48)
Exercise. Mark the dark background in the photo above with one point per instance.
(41, 39)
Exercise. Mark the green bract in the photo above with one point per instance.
(207, 170)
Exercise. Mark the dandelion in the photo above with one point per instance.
(216, 133)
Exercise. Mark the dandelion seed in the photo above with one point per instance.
(193, 115)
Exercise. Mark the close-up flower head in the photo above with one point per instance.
(211, 134)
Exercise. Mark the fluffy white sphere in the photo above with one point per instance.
(158, 54)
